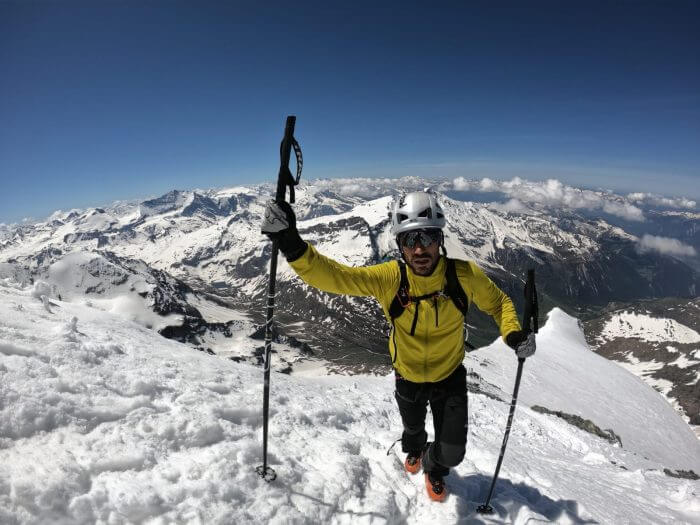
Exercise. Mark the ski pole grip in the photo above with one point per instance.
(530, 310)
(285, 178)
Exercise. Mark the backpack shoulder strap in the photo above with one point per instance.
(402, 297)
(453, 288)
(454, 291)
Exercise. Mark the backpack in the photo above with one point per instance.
(453, 289)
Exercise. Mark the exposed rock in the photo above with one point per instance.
(584, 424)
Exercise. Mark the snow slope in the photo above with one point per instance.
(102, 420)
(567, 376)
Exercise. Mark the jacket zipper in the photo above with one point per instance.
(426, 312)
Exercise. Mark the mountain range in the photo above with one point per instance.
(193, 266)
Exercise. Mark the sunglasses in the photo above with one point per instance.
(424, 237)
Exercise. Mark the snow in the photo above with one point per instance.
(652, 329)
(96, 220)
(683, 362)
(135, 309)
(215, 313)
(374, 212)
(90, 278)
(102, 420)
(567, 376)
(206, 248)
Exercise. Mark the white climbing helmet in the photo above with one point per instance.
(415, 211)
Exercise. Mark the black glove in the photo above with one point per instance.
(280, 224)
(522, 342)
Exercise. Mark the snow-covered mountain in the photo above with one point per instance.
(197, 262)
(102, 420)
(211, 238)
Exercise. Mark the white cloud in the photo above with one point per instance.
(659, 200)
(666, 245)
(512, 206)
(355, 189)
(623, 209)
(461, 184)
(513, 183)
(366, 188)
(487, 184)
(554, 193)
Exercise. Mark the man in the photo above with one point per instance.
(427, 336)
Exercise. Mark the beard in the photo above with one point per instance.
(423, 265)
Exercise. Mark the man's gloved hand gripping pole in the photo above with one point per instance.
(280, 225)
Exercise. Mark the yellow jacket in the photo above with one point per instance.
(436, 349)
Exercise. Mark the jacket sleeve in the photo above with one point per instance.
(490, 299)
(328, 275)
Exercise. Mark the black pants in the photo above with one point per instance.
(448, 403)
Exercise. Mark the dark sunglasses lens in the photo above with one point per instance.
(425, 238)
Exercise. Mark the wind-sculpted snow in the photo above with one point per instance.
(103, 421)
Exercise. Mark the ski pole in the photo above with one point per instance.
(284, 179)
(530, 315)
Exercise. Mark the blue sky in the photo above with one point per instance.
(117, 100)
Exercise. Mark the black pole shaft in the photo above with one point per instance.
(280, 194)
(513, 402)
(268, 347)
(530, 314)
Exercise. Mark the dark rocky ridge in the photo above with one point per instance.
(584, 424)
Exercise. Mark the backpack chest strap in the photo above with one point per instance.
(453, 289)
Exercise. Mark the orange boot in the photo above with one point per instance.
(435, 485)
(413, 461)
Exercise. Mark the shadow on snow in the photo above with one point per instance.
(507, 501)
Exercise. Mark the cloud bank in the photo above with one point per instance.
(553, 193)
(666, 245)
(658, 200)
(369, 188)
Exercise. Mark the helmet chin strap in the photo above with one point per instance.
(398, 243)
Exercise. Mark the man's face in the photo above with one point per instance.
(421, 252)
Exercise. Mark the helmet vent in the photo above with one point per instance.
(415, 211)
